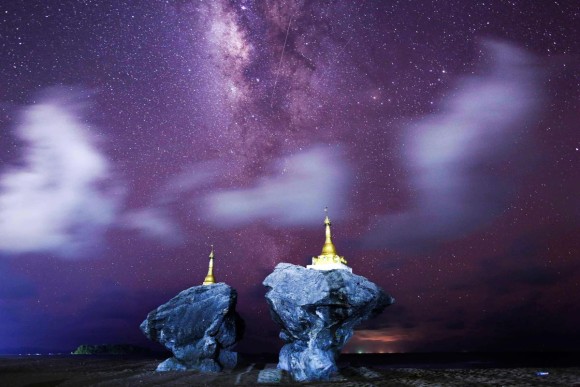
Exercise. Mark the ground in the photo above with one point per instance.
(129, 371)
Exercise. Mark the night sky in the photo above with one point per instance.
(443, 136)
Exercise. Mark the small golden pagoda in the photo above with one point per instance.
(209, 279)
(329, 259)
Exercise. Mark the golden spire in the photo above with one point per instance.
(329, 255)
(209, 279)
(328, 248)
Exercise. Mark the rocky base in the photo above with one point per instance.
(199, 326)
(317, 312)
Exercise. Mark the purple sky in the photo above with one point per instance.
(443, 136)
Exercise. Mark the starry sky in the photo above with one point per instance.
(442, 135)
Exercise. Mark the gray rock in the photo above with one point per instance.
(270, 376)
(199, 326)
(317, 312)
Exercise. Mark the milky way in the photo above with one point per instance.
(443, 137)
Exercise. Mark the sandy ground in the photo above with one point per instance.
(117, 371)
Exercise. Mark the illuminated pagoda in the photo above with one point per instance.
(209, 279)
(329, 259)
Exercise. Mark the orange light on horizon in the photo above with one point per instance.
(378, 341)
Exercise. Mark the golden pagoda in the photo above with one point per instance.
(329, 259)
(209, 279)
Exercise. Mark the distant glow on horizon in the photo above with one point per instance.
(380, 340)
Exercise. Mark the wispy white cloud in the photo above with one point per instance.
(295, 194)
(153, 223)
(189, 180)
(466, 160)
(159, 220)
(55, 199)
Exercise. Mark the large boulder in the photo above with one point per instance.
(199, 326)
(317, 311)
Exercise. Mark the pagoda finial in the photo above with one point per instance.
(329, 259)
(209, 278)
(328, 248)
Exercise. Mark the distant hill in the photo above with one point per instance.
(110, 349)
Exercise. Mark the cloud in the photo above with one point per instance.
(190, 180)
(56, 199)
(466, 160)
(158, 220)
(302, 185)
(153, 223)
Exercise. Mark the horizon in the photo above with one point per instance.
(164, 352)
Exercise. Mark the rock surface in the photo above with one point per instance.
(199, 326)
(317, 311)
